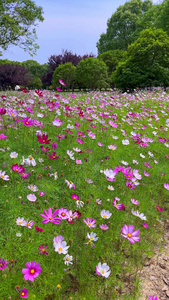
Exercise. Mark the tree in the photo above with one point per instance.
(12, 75)
(111, 58)
(36, 69)
(122, 25)
(66, 72)
(18, 20)
(147, 62)
(92, 74)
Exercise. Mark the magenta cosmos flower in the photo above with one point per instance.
(129, 233)
(3, 263)
(2, 136)
(24, 293)
(28, 122)
(159, 208)
(49, 217)
(153, 297)
(32, 271)
(61, 82)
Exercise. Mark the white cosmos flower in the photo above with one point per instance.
(13, 154)
(61, 247)
(140, 215)
(125, 142)
(150, 154)
(103, 270)
(92, 236)
(143, 156)
(135, 162)
(124, 162)
(77, 150)
(110, 188)
(39, 115)
(30, 161)
(79, 203)
(70, 154)
(68, 259)
(110, 173)
(105, 214)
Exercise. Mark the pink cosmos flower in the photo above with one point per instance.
(78, 161)
(58, 239)
(153, 297)
(166, 185)
(79, 141)
(147, 165)
(62, 213)
(3, 176)
(145, 225)
(31, 197)
(41, 194)
(135, 202)
(75, 197)
(104, 227)
(53, 156)
(49, 217)
(25, 175)
(112, 124)
(159, 208)
(28, 122)
(2, 136)
(61, 82)
(146, 174)
(3, 263)
(100, 144)
(58, 89)
(43, 249)
(90, 222)
(24, 293)
(38, 229)
(29, 224)
(130, 185)
(129, 233)
(32, 270)
(70, 184)
(57, 122)
(117, 205)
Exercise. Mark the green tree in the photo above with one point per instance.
(122, 25)
(18, 21)
(147, 62)
(66, 72)
(92, 73)
(111, 58)
(36, 69)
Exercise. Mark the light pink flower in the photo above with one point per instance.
(117, 205)
(146, 174)
(78, 161)
(61, 82)
(3, 176)
(90, 222)
(31, 197)
(135, 202)
(104, 227)
(166, 186)
(129, 233)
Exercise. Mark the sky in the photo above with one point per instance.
(74, 25)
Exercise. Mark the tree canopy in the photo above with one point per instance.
(147, 62)
(18, 21)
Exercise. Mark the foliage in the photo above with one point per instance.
(67, 73)
(12, 75)
(147, 62)
(36, 69)
(122, 25)
(92, 73)
(18, 20)
(111, 58)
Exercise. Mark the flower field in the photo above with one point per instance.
(84, 195)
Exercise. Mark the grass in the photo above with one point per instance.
(141, 119)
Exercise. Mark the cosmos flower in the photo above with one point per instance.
(29, 224)
(20, 221)
(140, 215)
(105, 214)
(61, 247)
(112, 147)
(31, 197)
(32, 270)
(3, 263)
(129, 233)
(68, 259)
(13, 154)
(3, 176)
(117, 205)
(153, 297)
(90, 222)
(58, 239)
(103, 270)
(33, 188)
(63, 213)
(53, 156)
(24, 293)
(57, 122)
(145, 225)
(43, 249)
(43, 139)
(159, 208)
(166, 186)
(50, 217)
(18, 169)
(70, 184)
(30, 161)
(104, 227)
(135, 202)
(61, 82)
(28, 122)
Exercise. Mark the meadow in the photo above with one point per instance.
(84, 190)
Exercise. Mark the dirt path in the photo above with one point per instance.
(155, 274)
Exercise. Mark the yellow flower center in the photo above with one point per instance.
(129, 235)
(60, 249)
(16, 170)
(30, 157)
(43, 141)
(43, 250)
(32, 271)
(50, 218)
(67, 258)
(2, 176)
(104, 216)
(70, 182)
(20, 223)
(89, 224)
(26, 123)
(63, 215)
(91, 238)
(23, 294)
(102, 271)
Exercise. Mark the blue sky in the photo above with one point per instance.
(75, 25)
